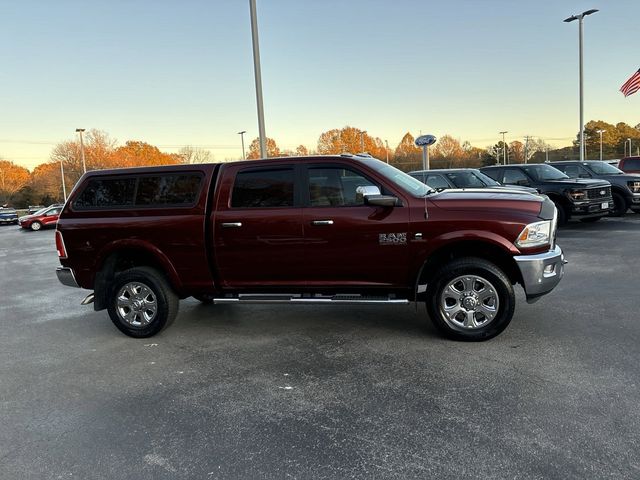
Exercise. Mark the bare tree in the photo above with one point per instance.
(191, 154)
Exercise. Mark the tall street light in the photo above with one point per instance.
(580, 19)
(504, 148)
(242, 140)
(258, 76)
(64, 188)
(386, 142)
(362, 132)
(84, 165)
(600, 132)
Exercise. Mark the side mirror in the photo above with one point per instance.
(371, 195)
(584, 175)
(381, 200)
(523, 183)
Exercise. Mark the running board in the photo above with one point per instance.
(342, 299)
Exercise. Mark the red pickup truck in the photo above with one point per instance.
(345, 229)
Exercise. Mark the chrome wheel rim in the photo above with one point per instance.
(136, 304)
(35, 226)
(469, 302)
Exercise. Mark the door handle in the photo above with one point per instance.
(322, 222)
(231, 225)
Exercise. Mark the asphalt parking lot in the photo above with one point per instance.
(323, 392)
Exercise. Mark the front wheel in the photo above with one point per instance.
(470, 299)
(35, 226)
(620, 205)
(142, 302)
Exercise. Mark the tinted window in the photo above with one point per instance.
(604, 168)
(466, 180)
(336, 187)
(263, 188)
(115, 192)
(572, 171)
(514, 177)
(168, 190)
(493, 173)
(544, 172)
(632, 163)
(437, 181)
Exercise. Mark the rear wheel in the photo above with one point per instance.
(471, 299)
(35, 226)
(142, 302)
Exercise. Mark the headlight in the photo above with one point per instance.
(535, 235)
(634, 186)
(578, 194)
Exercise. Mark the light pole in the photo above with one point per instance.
(64, 188)
(84, 165)
(629, 147)
(258, 76)
(362, 132)
(600, 132)
(504, 149)
(580, 19)
(242, 140)
(387, 149)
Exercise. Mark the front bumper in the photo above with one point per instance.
(541, 272)
(67, 277)
(592, 208)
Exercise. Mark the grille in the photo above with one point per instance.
(595, 193)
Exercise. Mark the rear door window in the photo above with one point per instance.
(263, 188)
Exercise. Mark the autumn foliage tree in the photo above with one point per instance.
(13, 178)
(139, 154)
(254, 149)
(350, 140)
(407, 156)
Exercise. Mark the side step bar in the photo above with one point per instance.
(341, 299)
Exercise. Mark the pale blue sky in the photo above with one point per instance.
(180, 72)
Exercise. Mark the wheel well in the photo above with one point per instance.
(559, 199)
(117, 262)
(487, 251)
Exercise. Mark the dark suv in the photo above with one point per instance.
(586, 200)
(625, 188)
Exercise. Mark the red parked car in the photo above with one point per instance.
(43, 218)
(630, 165)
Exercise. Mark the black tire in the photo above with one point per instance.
(620, 205)
(35, 226)
(166, 302)
(205, 299)
(476, 267)
(563, 216)
(590, 219)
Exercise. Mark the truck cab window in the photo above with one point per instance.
(263, 188)
(335, 187)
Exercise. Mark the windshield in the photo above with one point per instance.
(542, 173)
(41, 211)
(471, 179)
(603, 168)
(399, 178)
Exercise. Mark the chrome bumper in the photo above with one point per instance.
(541, 272)
(66, 277)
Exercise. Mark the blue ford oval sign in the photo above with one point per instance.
(424, 140)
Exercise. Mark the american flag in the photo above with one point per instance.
(632, 85)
